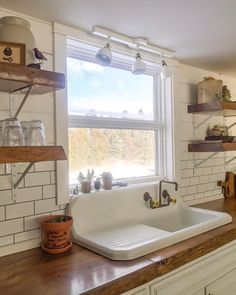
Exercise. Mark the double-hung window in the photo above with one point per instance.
(116, 120)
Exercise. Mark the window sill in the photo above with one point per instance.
(141, 182)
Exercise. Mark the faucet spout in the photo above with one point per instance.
(165, 193)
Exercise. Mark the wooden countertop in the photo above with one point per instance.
(80, 271)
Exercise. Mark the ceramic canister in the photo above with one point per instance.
(17, 29)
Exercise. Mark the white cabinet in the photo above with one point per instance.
(225, 285)
(212, 274)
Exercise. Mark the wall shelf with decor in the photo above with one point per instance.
(223, 108)
(31, 154)
(227, 107)
(212, 147)
(17, 79)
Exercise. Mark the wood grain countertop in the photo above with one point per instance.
(80, 271)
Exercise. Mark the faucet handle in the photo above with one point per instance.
(154, 204)
(147, 196)
(173, 200)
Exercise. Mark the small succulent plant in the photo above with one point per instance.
(89, 177)
(106, 175)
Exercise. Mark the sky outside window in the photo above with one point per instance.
(99, 91)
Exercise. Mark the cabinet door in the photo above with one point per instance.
(225, 285)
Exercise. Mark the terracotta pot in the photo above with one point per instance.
(85, 186)
(107, 183)
(56, 234)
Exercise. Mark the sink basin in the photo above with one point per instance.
(112, 226)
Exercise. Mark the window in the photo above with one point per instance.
(115, 118)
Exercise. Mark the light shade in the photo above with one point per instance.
(139, 67)
(166, 71)
(104, 56)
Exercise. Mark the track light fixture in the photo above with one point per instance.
(104, 56)
(139, 67)
(165, 72)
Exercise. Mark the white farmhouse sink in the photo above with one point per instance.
(119, 225)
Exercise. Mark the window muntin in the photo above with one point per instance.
(108, 92)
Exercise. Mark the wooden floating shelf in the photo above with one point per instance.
(20, 154)
(228, 107)
(16, 77)
(212, 147)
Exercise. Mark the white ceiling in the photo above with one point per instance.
(201, 32)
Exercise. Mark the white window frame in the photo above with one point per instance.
(64, 33)
(156, 125)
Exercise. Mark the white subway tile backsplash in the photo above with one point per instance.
(203, 179)
(211, 186)
(198, 171)
(27, 235)
(29, 194)
(5, 182)
(53, 177)
(2, 169)
(6, 240)
(19, 210)
(49, 191)
(58, 212)
(201, 188)
(219, 161)
(184, 182)
(45, 166)
(188, 198)
(208, 170)
(191, 190)
(182, 191)
(2, 213)
(38, 178)
(11, 226)
(194, 180)
(187, 173)
(33, 222)
(189, 164)
(5, 197)
(46, 206)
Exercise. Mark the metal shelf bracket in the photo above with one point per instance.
(205, 120)
(23, 100)
(197, 164)
(15, 181)
(227, 162)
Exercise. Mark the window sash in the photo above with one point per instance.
(76, 121)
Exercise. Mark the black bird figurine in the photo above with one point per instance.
(39, 56)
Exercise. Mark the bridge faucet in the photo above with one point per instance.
(164, 193)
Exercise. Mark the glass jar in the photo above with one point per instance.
(17, 29)
(36, 135)
(13, 136)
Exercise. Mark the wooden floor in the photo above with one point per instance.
(80, 271)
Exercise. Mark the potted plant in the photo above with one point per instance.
(107, 180)
(85, 181)
(97, 183)
(56, 233)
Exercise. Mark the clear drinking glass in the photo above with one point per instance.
(36, 133)
(13, 136)
(25, 128)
